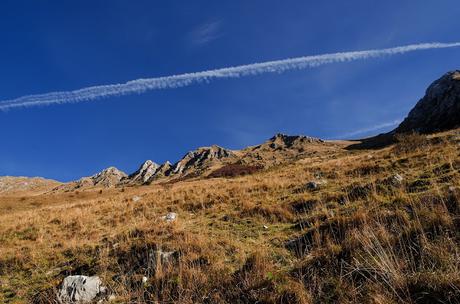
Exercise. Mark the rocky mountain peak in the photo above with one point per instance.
(202, 157)
(438, 110)
(162, 171)
(109, 177)
(287, 141)
(145, 172)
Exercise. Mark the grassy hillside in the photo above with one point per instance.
(359, 235)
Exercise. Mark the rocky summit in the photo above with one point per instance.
(144, 173)
(288, 141)
(109, 177)
(202, 158)
(438, 110)
(162, 171)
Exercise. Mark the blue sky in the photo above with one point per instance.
(65, 45)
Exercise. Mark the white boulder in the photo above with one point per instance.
(81, 289)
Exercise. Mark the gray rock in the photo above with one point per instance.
(312, 185)
(81, 289)
(109, 177)
(144, 173)
(170, 217)
(288, 141)
(315, 185)
(396, 180)
(438, 110)
(202, 158)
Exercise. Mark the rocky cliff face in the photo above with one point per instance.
(438, 110)
(163, 171)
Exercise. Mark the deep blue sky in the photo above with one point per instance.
(64, 45)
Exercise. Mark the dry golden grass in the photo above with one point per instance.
(357, 239)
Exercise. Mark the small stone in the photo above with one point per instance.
(315, 185)
(170, 217)
(265, 227)
(312, 185)
(145, 280)
(136, 198)
(394, 180)
(398, 178)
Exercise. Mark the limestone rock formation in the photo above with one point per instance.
(162, 171)
(202, 158)
(109, 177)
(439, 110)
(144, 173)
(81, 289)
(291, 141)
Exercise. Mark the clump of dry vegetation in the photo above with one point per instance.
(361, 237)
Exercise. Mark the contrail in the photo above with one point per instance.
(369, 129)
(176, 81)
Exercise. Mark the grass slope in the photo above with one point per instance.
(360, 237)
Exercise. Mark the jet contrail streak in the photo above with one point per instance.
(176, 81)
(369, 129)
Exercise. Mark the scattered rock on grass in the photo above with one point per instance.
(81, 289)
(170, 217)
(314, 185)
(396, 180)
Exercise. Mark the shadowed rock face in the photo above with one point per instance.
(163, 170)
(439, 110)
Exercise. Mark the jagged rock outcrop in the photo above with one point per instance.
(202, 158)
(109, 177)
(291, 141)
(439, 110)
(162, 171)
(144, 173)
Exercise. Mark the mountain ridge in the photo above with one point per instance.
(438, 110)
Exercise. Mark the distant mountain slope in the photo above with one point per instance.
(283, 148)
(9, 184)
